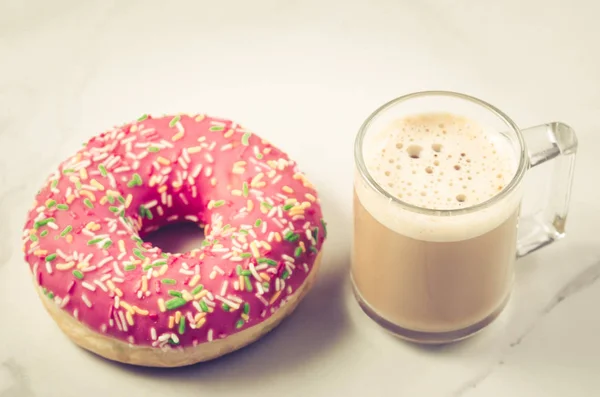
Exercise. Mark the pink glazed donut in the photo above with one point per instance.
(122, 298)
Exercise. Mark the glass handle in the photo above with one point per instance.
(551, 149)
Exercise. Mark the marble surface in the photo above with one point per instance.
(305, 74)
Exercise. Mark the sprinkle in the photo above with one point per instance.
(182, 326)
(274, 297)
(33, 238)
(287, 189)
(88, 203)
(169, 281)
(129, 267)
(66, 230)
(175, 303)
(203, 306)
(78, 274)
(143, 117)
(298, 251)
(62, 207)
(291, 236)
(44, 233)
(175, 293)
(50, 203)
(216, 128)
(161, 305)
(43, 222)
(50, 257)
(174, 121)
(197, 290)
(239, 324)
(246, 308)
(218, 203)
(268, 261)
(248, 283)
(285, 275)
(245, 138)
(324, 224)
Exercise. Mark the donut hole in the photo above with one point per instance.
(176, 238)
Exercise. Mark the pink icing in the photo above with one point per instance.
(205, 170)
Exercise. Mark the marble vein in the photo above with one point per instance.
(21, 386)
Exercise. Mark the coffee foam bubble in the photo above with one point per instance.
(438, 162)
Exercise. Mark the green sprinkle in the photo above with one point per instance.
(288, 207)
(78, 185)
(315, 234)
(62, 207)
(175, 303)
(271, 262)
(291, 236)
(239, 324)
(298, 252)
(51, 295)
(113, 209)
(245, 189)
(216, 128)
(68, 171)
(121, 199)
(244, 232)
(248, 283)
(50, 257)
(153, 149)
(285, 275)
(225, 307)
(168, 281)
(44, 233)
(324, 227)
(142, 117)
(257, 223)
(43, 222)
(313, 249)
(238, 269)
(88, 203)
(197, 289)
(245, 139)
(107, 244)
(78, 274)
(175, 293)
(266, 285)
(51, 204)
(138, 253)
(136, 180)
(266, 205)
(245, 255)
(95, 241)
(218, 203)
(33, 237)
(174, 121)
(137, 239)
(66, 231)
(54, 184)
(102, 170)
(164, 255)
(182, 325)
(159, 263)
(129, 267)
(246, 273)
(110, 199)
(203, 306)
(259, 156)
(246, 308)
(205, 243)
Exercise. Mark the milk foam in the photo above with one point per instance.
(438, 161)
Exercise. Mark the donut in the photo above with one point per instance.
(118, 296)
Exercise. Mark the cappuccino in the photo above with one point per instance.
(423, 265)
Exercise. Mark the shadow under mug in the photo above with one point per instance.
(438, 276)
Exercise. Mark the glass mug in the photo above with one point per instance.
(441, 275)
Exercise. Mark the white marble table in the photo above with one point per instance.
(305, 75)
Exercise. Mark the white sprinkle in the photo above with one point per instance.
(76, 314)
(52, 225)
(153, 333)
(208, 172)
(263, 300)
(231, 304)
(253, 271)
(192, 218)
(185, 155)
(260, 289)
(287, 258)
(224, 288)
(276, 179)
(183, 198)
(88, 286)
(103, 328)
(210, 335)
(85, 300)
(197, 171)
(48, 268)
(117, 270)
(123, 322)
(305, 266)
(209, 158)
(164, 337)
(101, 285)
(151, 204)
(65, 301)
(182, 162)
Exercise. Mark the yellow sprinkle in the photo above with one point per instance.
(236, 192)
(171, 321)
(254, 249)
(177, 136)
(296, 211)
(271, 174)
(256, 179)
(129, 318)
(198, 316)
(238, 170)
(290, 201)
(133, 128)
(127, 306)
(244, 316)
(201, 294)
(112, 193)
(310, 197)
(163, 161)
(176, 184)
(274, 297)
(194, 280)
(161, 305)
(118, 292)
(121, 245)
(287, 189)
(69, 238)
(83, 174)
(194, 149)
(186, 295)
(82, 265)
(65, 266)
(142, 312)
(144, 283)
(201, 322)
(241, 163)
(40, 252)
(277, 237)
(241, 281)
(97, 184)
(266, 245)
(265, 276)
(301, 244)
(128, 200)
(199, 118)
(213, 181)
(228, 133)
(305, 204)
(103, 200)
(250, 205)
(88, 194)
(177, 317)
(70, 199)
